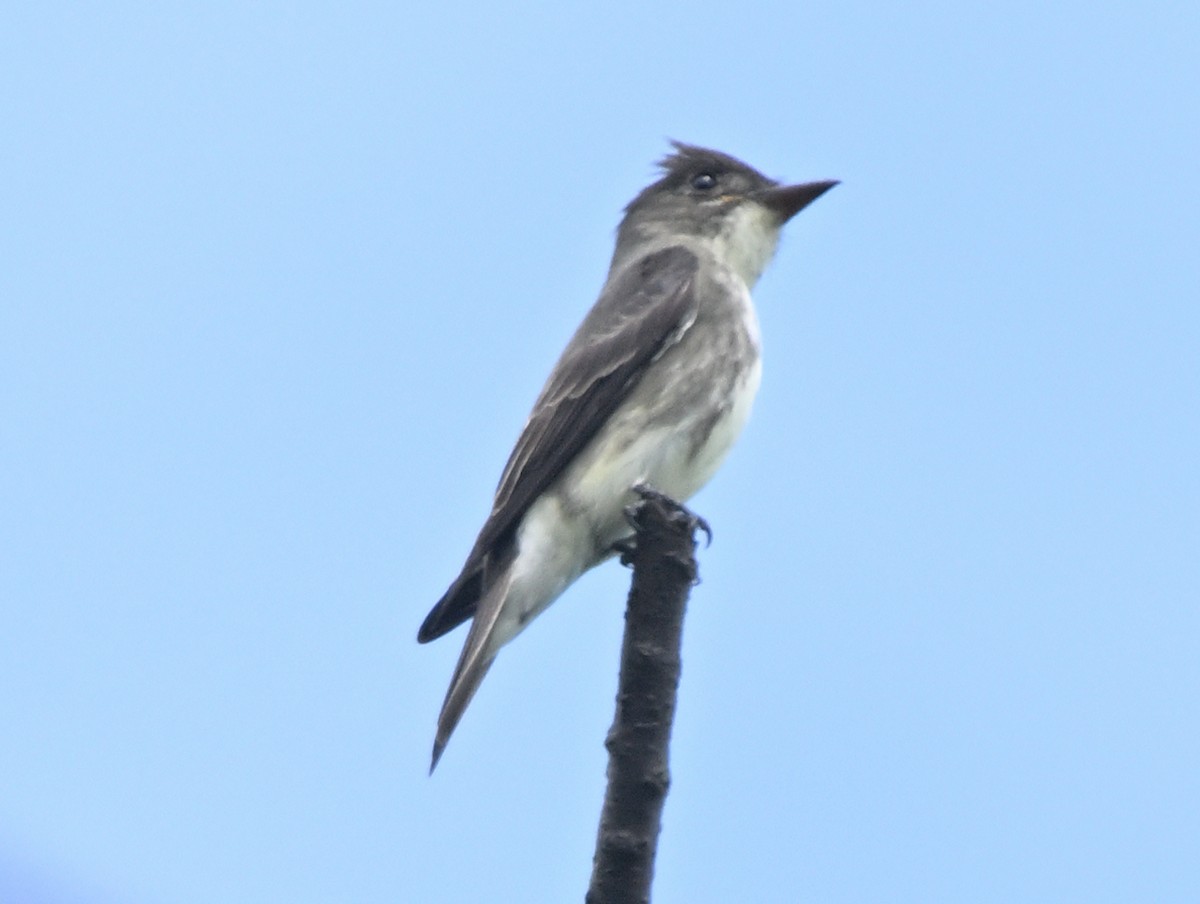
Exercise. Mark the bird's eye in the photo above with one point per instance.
(704, 181)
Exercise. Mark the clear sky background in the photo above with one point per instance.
(278, 284)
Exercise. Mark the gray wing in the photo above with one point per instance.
(645, 311)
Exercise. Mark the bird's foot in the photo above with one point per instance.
(647, 492)
(625, 547)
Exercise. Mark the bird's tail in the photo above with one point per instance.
(477, 656)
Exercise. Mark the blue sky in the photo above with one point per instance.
(279, 283)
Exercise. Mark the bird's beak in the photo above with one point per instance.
(788, 200)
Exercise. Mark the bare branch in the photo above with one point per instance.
(664, 570)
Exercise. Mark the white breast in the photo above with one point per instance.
(653, 441)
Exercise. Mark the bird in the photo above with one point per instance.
(651, 391)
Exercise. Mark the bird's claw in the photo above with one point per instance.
(645, 491)
(626, 546)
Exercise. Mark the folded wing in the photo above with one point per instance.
(640, 314)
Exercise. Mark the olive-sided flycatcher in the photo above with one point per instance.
(652, 390)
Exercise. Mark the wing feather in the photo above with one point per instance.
(637, 317)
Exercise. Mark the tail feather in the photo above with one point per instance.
(478, 653)
(461, 692)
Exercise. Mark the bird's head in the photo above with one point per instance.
(705, 194)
